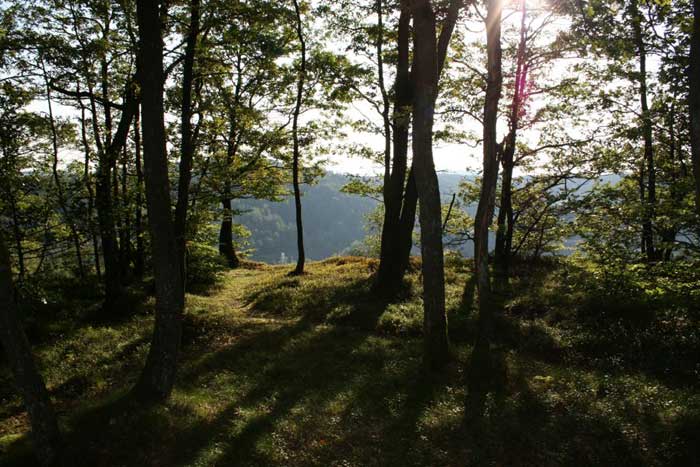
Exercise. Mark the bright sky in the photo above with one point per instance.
(454, 158)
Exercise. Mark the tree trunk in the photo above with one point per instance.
(108, 234)
(301, 258)
(425, 73)
(140, 258)
(649, 207)
(504, 233)
(407, 223)
(158, 376)
(480, 365)
(386, 107)
(501, 251)
(125, 229)
(694, 103)
(29, 382)
(226, 248)
(88, 185)
(390, 274)
(103, 196)
(187, 140)
(75, 237)
(397, 230)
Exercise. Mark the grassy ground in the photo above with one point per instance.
(297, 371)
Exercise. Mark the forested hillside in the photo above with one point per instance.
(338, 222)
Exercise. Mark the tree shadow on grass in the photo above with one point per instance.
(533, 427)
(349, 304)
(301, 392)
(314, 404)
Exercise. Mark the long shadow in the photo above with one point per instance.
(314, 368)
(300, 373)
(527, 429)
(306, 367)
(350, 304)
(295, 374)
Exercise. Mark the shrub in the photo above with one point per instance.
(204, 267)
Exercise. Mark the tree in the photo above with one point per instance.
(301, 258)
(694, 100)
(30, 383)
(626, 33)
(401, 194)
(399, 209)
(85, 59)
(649, 213)
(187, 136)
(243, 108)
(480, 363)
(158, 375)
(429, 53)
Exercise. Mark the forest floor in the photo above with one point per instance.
(310, 370)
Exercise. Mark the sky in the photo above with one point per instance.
(448, 157)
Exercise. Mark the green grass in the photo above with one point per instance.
(310, 370)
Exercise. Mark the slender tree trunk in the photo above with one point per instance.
(397, 230)
(17, 234)
(642, 199)
(505, 213)
(386, 106)
(301, 258)
(694, 103)
(407, 222)
(108, 234)
(425, 72)
(29, 382)
(118, 200)
(668, 233)
(480, 365)
(226, 248)
(389, 274)
(501, 255)
(649, 207)
(187, 148)
(88, 185)
(103, 195)
(75, 237)
(107, 182)
(125, 231)
(140, 258)
(158, 376)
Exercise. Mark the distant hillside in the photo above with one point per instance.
(333, 221)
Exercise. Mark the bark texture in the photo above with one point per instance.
(400, 200)
(397, 225)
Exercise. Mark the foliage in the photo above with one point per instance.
(204, 267)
